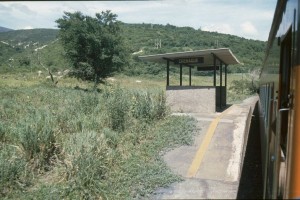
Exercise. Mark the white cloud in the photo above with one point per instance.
(221, 28)
(247, 18)
(28, 27)
(248, 28)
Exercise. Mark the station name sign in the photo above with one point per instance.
(192, 60)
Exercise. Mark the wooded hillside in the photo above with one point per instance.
(142, 39)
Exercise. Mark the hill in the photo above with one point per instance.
(23, 50)
(22, 38)
(142, 39)
(3, 29)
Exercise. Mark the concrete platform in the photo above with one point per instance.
(211, 167)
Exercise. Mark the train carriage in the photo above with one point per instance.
(280, 104)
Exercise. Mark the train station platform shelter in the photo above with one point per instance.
(196, 98)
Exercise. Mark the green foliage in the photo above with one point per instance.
(149, 107)
(118, 108)
(66, 144)
(6, 52)
(94, 45)
(53, 57)
(12, 167)
(31, 36)
(89, 166)
(137, 39)
(244, 86)
(24, 61)
(2, 132)
(174, 39)
(30, 52)
(38, 140)
(144, 170)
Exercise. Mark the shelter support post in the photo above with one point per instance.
(221, 66)
(190, 76)
(226, 80)
(225, 76)
(215, 71)
(168, 71)
(180, 74)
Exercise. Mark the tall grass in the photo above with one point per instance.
(89, 156)
(95, 144)
(12, 167)
(37, 139)
(149, 107)
(117, 105)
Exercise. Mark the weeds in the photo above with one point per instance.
(99, 144)
(12, 167)
(149, 107)
(38, 141)
(117, 107)
(89, 157)
(2, 132)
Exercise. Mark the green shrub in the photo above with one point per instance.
(88, 102)
(244, 86)
(160, 105)
(78, 144)
(38, 140)
(111, 138)
(148, 107)
(89, 156)
(2, 133)
(24, 61)
(12, 167)
(9, 109)
(117, 105)
(142, 106)
(143, 170)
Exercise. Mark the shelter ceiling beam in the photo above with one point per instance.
(169, 59)
(218, 58)
(184, 65)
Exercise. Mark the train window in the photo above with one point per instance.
(284, 84)
(266, 95)
(285, 68)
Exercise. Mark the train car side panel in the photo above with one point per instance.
(279, 107)
(294, 168)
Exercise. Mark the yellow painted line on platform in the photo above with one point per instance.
(204, 145)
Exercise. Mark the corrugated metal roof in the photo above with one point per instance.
(224, 54)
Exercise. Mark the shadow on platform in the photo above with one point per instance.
(251, 182)
(218, 109)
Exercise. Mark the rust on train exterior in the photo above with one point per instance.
(280, 104)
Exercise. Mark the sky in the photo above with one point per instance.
(250, 19)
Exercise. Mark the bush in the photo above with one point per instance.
(38, 140)
(2, 133)
(142, 106)
(143, 170)
(244, 86)
(148, 106)
(12, 167)
(24, 61)
(89, 156)
(117, 107)
(76, 144)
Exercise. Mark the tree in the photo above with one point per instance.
(247, 85)
(24, 61)
(94, 45)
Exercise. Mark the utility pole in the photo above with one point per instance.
(216, 43)
(157, 43)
